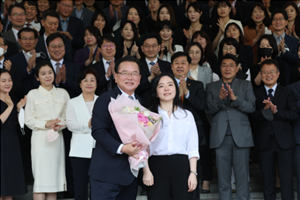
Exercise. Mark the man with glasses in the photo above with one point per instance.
(287, 45)
(4, 11)
(16, 15)
(276, 109)
(71, 27)
(105, 66)
(229, 101)
(152, 66)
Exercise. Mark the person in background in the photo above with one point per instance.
(115, 12)
(13, 49)
(293, 27)
(78, 120)
(99, 20)
(168, 47)
(42, 6)
(4, 13)
(92, 5)
(12, 174)
(295, 75)
(153, 6)
(32, 12)
(90, 53)
(82, 13)
(258, 23)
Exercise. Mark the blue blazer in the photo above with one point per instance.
(106, 165)
(296, 89)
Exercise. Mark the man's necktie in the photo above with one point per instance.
(110, 82)
(270, 94)
(57, 68)
(130, 97)
(28, 25)
(152, 63)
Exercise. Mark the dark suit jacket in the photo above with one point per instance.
(144, 89)
(195, 104)
(280, 123)
(113, 21)
(296, 89)
(12, 49)
(106, 165)
(40, 47)
(75, 28)
(71, 84)
(81, 56)
(28, 79)
(9, 36)
(243, 10)
(86, 16)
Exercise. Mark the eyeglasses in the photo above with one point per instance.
(197, 52)
(278, 19)
(112, 46)
(271, 72)
(125, 73)
(228, 48)
(68, 6)
(231, 65)
(60, 46)
(17, 15)
(30, 39)
(150, 46)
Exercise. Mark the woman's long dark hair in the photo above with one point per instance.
(171, 12)
(266, 21)
(154, 100)
(198, 8)
(215, 16)
(208, 52)
(135, 37)
(297, 19)
(107, 29)
(142, 25)
(188, 47)
(166, 25)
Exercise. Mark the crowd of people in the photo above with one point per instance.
(224, 75)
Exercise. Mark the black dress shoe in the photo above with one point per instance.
(143, 192)
(205, 191)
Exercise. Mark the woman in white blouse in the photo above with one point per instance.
(168, 48)
(79, 117)
(198, 71)
(45, 110)
(172, 169)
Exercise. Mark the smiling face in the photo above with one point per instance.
(108, 50)
(279, 23)
(269, 75)
(89, 3)
(229, 49)
(166, 34)
(89, 84)
(17, 18)
(258, 15)
(193, 15)
(31, 12)
(56, 49)
(228, 70)
(164, 14)
(150, 48)
(27, 41)
(223, 10)
(201, 40)
(43, 5)
(128, 83)
(65, 8)
(166, 89)
(195, 54)
(46, 76)
(180, 67)
(233, 31)
(133, 16)
(99, 22)
(291, 12)
(153, 5)
(89, 38)
(127, 32)
(6, 83)
(78, 2)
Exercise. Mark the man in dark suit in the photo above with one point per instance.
(151, 66)
(229, 101)
(115, 12)
(50, 23)
(105, 66)
(287, 45)
(16, 15)
(192, 96)
(82, 13)
(4, 11)
(275, 111)
(295, 87)
(13, 48)
(70, 26)
(110, 175)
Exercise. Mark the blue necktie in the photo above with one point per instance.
(152, 63)
(270, 94)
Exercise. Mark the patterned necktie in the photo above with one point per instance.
(270, 94)
(130, 97)
(28, 25)
(57, 67)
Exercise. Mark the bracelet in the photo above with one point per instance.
(194, 173)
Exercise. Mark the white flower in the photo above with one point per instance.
(147, 113)
(126, 110)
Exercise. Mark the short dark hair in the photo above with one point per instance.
(107, 29)
(93, 30)
(16, 5)
(166, 25)
(272, 42)
(31, 3)
(241, 37)
(41, 64)
(230, 56)
(188, 47)
(179, 54)
(60, 1)
(171, 12)
(228, 41)
(106, 37)
(266, 21)
(53, 36)
(127, 58)
(269, 62)
(83, 74)
(51, 13)
(3, 70)
(150, 36)
(26, 29)
(283, 12)
(4, 40)
(198, 8)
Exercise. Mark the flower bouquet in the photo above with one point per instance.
(134, 123)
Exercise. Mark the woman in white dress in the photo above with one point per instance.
(45, 111)
(172, 169)
(79, 117)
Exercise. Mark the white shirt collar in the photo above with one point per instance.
(274, 89)
(148, 62)
(1, 63)
(133, 95)
(15, 31)
(61, 62)
(25, 55)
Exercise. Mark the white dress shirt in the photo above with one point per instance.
(15, 31)
(178, 135)
(61, 62)
(274, 89)
(106, 66)
(194, 74)
(45, 38)
(1, 63)
(26, 56)
(148, 63)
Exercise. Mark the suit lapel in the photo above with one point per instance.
(277, 95)
(145, 69)
(200, 73)
(83, 107)
(298, 86)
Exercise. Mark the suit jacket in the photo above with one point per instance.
(295, 87)
(106, 165)
(12, 49)
(9, 36)
(279, 124)
(75, 28)
(81, 56)
(113, 21)
(204, 75)
(232, 113)
(41, 47)
(144, 89)
(86, 16)
(195, 104)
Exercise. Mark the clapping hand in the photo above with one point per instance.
(52, 123)
(31, 61)
(90, 59)
(155, 69)
(270, 105)
(221, 24)
(170, 49)
(187, 34)
(21, 103)
(7, 64)
(182, 87)
(8, 100)
(63, 73)
(230, 93)
(97, 57)
(223, 93)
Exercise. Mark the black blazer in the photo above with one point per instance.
(106, 165)
(243, 11)
(144, 89)
(40, 47)
(195, 104)
(12, 49)
(280, 123)
(75, 28)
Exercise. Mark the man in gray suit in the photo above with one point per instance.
(82, 13)
(229, 101)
